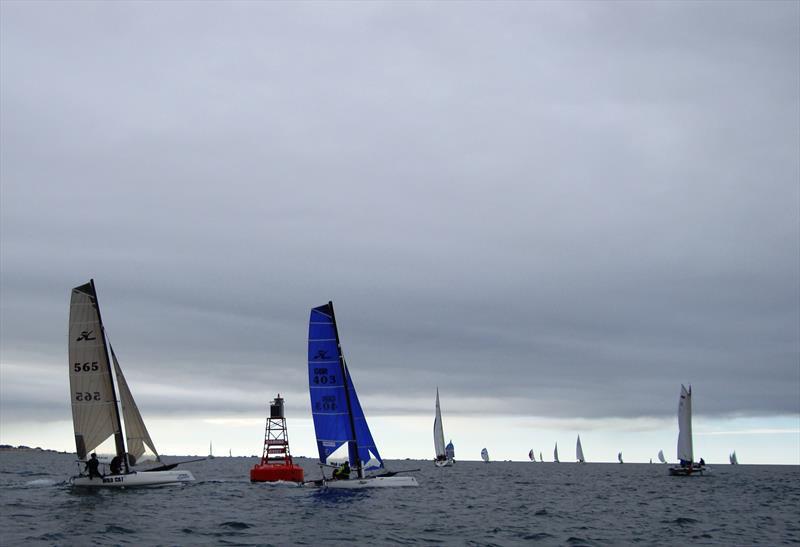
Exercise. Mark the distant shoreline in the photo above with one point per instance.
(23, 448)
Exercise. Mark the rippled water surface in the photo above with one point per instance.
(501, 503)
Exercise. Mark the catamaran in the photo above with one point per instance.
(619, 457)
(687, 464)
(661, 456)
(531, 456)
(555, 453)
(441, 459)
(579, 451)
(339, 423)
(541, 459)
(485, 455)
(450, 451)
(732, 458)
(95, 410)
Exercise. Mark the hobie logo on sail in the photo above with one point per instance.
(85, 335)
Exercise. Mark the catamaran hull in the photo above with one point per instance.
(135, 479)
(372, 482)
(443, 463)
(678, 471)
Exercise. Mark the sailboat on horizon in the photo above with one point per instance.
(210, 450)
(579, 451)
(441, 460)
(619, 457)
(732, 458)
(485, 455)
(340, 426)
(555, 453)
(531, 456)
(687, 465)
(661, 456)
(96, 415)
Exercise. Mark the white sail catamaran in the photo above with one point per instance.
(340, 425)
(555, 453)
(687, 465)
(579, 451)
(95, 411)
(442, 459)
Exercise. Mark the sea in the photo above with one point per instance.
(471, 503)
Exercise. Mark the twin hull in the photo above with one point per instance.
(372, 482)
(145, 478)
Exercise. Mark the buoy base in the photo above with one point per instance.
(273, 473)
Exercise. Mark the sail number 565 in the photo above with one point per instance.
(86, 367)
(87, 396)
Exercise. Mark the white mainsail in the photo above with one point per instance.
(95, 416)
(485, 455)
(579, 450)
(438, 431)
(733, 459)
(555, 453)
(136, 434)
(685, 449)
(661, 456)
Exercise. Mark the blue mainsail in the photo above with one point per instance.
(333, 420)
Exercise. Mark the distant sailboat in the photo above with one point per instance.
(651, 460)
(339, 420)
(450, 451)
(531, 456)
(687, 465)
(441, 459)
(95, 411)
(485, 455)
(210, 450)
(579, 451)
(541, 459)
(619, 457)
(661, 456)
(732, 458)
(555, 454)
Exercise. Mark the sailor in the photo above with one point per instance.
(342, 472)
(92, 466)
(116, 465)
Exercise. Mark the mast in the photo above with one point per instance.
(119, 438)
(343, 366)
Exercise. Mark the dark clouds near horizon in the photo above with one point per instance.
(565, 208)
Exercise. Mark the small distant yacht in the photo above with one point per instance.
(732, 458)
(555, 453)
(531, 456)
(210, 451)
(661, 456)
(485, 455)
(619, 457)
(579, 451)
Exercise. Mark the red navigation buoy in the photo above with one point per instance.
(276, 461)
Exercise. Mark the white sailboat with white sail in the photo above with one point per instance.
(96, 413)
(555, 453)
(732, 458)
(441, 459)
(340, 425)
(687, 465)
(485, 455)
(579, 451)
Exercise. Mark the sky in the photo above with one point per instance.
(556, 212)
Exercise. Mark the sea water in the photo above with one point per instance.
(471, 503)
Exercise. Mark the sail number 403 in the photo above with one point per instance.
(322, 377)
(89, 366)
(87, 396)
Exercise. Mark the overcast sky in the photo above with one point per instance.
(556, 212)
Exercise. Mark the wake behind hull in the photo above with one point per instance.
(371, 482)
(135, 479)
(443, 463)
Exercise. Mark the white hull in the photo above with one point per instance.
(372, 482)
(696, 469)
(443, 463)
(135, 479)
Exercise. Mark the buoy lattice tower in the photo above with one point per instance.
(276, 459)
